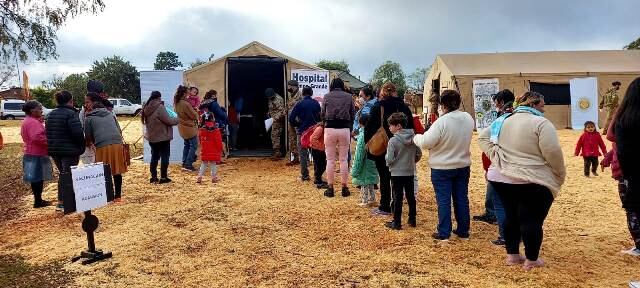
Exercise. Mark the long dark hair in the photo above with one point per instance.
(179, 94)
(154, 95)
(628, 115)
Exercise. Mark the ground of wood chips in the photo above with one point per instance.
(261, 226)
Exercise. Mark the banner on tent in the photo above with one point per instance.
(483, 91)
(317, 80)
(584, 101)
(166, 82)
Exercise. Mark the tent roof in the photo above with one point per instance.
(543, 62)
(248, 48)
(354, 82)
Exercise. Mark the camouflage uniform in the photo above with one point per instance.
(610, 101)
(277, 112)
(291, 131)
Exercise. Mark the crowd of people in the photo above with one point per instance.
(522, 157)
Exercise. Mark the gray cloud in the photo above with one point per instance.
(366, 33)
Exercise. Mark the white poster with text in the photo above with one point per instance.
(318, 80)
(483, 91)
(89, 187)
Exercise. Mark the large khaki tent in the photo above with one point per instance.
(522, 71)
(240, 78)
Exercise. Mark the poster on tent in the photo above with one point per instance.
(166, 82)
(584, 101)
(483, 91)
(316, 79)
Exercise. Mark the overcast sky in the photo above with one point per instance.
(364, 33)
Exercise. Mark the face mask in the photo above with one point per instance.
(290, 90)
(440, 111)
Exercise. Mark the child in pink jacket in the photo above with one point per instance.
(589, 143)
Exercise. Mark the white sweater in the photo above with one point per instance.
(448, 141)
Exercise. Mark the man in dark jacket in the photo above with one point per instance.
(65, 137)
(305, 114)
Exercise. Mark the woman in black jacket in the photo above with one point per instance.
(627, 125)
(391, 104)
(65, 137)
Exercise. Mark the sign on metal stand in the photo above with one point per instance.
(85, 188)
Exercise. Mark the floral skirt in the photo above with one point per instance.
(114, 156)
(36, 168)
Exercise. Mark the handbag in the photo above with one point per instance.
(377, 145)
(305, 138)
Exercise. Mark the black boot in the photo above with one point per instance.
(345, 192)
(329, 192)
(393, 225)
(412, 222)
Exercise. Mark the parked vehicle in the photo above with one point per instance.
(11, 109)
(124, 107)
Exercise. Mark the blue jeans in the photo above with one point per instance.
(189, 152)
(490, 210)
(498, 209)
(452, 184)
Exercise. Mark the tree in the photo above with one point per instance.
(333, 65)
(31, 27)
(167, 61)
(390, 71)
(416, 79)
(7, 72)
(120, 78)
(44, 96)
(196, 62)
(635, 45)
(76, 84)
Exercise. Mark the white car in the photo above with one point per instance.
(11, 109)
(124, 107)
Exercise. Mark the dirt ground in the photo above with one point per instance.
(262, 227)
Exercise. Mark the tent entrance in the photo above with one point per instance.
(247, 78)
(554, 94)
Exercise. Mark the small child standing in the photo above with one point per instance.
(211, 146)
(402, 156)
(363, 170)
(319, 157)
(589, 142)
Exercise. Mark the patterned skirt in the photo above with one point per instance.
(114, 156)
(36, 168)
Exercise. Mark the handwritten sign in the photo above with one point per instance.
(89, 187)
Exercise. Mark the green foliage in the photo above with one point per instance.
(196, 63)
(333, 65)
(416, 79)
(635, 45)
(76, 84)
(390, 71)
(44, 96)
(7, 72)
(167, 61)
(120, 78)
(30, 27)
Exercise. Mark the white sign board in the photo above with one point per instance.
(318, 80)
(89, 187)
(166, 82)
(483, 91)
(584, 101)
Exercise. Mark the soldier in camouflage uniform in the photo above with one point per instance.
(277, 112)
(610, 101)
(294, 98)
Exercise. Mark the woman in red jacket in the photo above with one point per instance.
(589, 143)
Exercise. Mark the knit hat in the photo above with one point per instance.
(292, 83)
(269, 92)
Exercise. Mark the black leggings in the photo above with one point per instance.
(385, 184)
(319, 164)
(590, 161)
(403, 186)
(37, 188)
(160, 151)
(525, 206)
(117, 182)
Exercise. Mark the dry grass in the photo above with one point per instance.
(262, 227)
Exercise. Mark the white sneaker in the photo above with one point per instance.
(633, 252)
(363, 204)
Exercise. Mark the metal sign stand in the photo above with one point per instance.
(91, 255)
